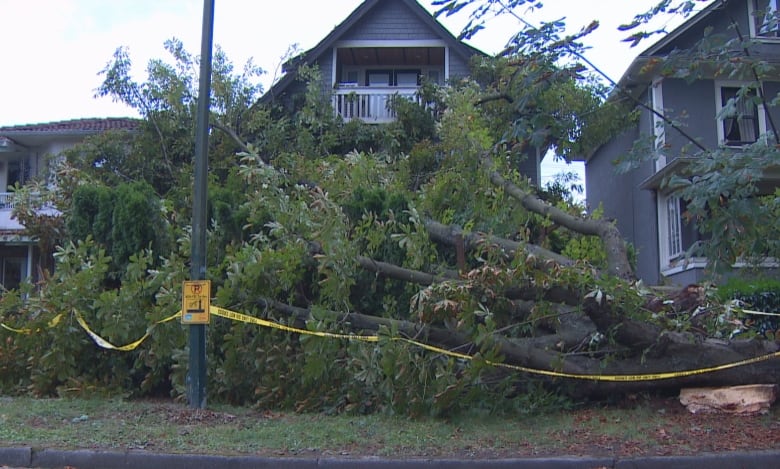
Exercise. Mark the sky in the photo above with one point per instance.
(53, 50)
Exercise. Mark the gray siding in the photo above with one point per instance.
(694, 106)
(530, 166)
(686, 277)
(633, 209)
(390, 21)
(459, 68)
(325, 64)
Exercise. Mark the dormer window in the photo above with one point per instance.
(765, 18)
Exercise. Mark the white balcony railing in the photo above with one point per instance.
(7, 200)
(371, 105)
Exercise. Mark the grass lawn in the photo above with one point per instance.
(645, 426)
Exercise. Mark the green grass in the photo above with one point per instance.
(164, 426)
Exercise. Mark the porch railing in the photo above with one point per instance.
(7, 200)
(371, 105)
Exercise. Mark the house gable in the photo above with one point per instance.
(404, 22)
(390, 20)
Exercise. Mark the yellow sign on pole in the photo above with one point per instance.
(195, 302)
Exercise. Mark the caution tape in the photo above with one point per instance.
(225, 313)
(123, 348)
(53, 322)
(235, 316)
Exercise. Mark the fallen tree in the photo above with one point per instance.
(638, 355)
(437, 239)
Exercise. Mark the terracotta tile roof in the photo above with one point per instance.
(75, 126)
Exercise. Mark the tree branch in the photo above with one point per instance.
(614, 245)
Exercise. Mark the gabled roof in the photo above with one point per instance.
(310, 56)
(638, 70)
(638, 74)
(73, 127)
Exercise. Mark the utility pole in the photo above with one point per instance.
(196, 377)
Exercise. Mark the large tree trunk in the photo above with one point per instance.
(647, 351)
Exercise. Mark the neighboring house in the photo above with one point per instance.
(383, 49)
(647, 214)
(24, 152)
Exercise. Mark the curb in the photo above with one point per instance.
(91, 459)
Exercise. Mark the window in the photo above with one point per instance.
(670, 231)
(659, 126)
(738, 114)
(352, 76)
(378, 78)
(406, 78)
(765, 18)
(674, 229)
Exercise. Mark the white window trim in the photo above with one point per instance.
(666, 257)
(657, 97)
(700, 263)
(762, 128)
(684, 264)
(752, 20)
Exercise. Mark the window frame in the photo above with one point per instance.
(773, 33)
(759, 115)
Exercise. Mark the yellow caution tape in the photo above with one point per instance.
(53, 322)
(13, 329)
(225, 313)
(123, 348)
(228, 314)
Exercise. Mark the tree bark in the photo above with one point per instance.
(614, 245)
(448, 234)
(542, 355)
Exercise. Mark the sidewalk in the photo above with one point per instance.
(87, 459)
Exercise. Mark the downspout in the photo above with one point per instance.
(446, 64)
(30, 249)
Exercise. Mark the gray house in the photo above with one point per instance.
(382, 49)
(24, 156)
(647, 214)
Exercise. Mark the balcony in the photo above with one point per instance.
(369, 104)
(7, 200)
